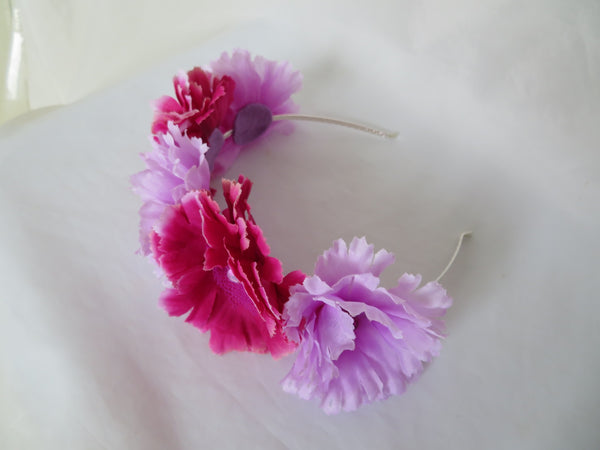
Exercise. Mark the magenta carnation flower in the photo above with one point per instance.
(258, 80)
(359, 342)
(200, 104)
(221, 273)
(176, 166)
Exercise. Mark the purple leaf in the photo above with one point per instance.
(250, 122)
(215, 142)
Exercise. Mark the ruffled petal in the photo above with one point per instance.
(430, 301)
(340, 261)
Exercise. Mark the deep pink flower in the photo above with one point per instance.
(221, 273)
(200, 105)
(257, 80)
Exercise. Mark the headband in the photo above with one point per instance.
(355, 341)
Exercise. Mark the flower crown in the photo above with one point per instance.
(355, 341)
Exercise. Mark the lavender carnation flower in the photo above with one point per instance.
(257, 80)
(176, 166)
(359, 342)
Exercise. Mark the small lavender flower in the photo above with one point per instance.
(176, 166)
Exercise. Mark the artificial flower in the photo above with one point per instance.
(257, 80)
(200, 105)
(176, 166)
(221, 273)
(359, 342)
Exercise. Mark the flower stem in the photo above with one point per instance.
(460, 241)
(343, 123)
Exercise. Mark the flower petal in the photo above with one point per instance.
(340, 261)
(335, 330)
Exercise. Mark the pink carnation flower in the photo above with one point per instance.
(201, 102)
(221, 273)
(176, 165)
(359, 342)
(258, 80)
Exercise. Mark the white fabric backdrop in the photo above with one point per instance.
(497, 105)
